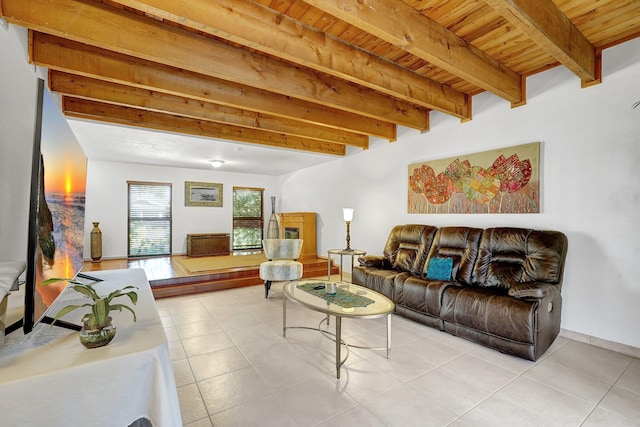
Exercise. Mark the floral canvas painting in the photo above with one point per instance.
(497, 181)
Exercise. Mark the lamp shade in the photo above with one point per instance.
(347, 213)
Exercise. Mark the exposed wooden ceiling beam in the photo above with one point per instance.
(112, 29)
(92, 110)
(99, 90)
(401, 25)
(549, 28)
(265, 30)
(65, 55)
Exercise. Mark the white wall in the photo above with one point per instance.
(106, 202)
(590, 185)
(17, 120)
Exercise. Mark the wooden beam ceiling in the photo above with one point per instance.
(108, 28)
(72, 57)
(99, 90)
(260, 28)
(546, 25)
(419, 35)
(64, 55)
(81, 108)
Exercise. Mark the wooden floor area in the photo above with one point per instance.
(168, 278)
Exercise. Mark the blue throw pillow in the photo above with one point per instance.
(440, 268)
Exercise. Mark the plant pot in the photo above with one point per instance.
(98, 336)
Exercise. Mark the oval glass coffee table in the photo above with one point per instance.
(351, 301)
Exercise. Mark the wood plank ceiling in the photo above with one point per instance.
(313, 75)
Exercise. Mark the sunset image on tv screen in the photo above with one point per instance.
(61, 205)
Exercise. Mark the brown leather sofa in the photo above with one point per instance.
(500, 288)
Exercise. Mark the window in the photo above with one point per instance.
(247, 218)
(149, 219)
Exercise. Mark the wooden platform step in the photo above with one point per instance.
(227, 279)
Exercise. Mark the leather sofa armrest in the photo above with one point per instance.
(536, 290)
(372, 261)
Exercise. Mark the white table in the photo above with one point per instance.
(49, 379)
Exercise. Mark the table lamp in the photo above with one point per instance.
(347, 213)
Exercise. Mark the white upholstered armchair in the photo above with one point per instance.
(282, 265)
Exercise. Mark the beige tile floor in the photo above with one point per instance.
(233, 368)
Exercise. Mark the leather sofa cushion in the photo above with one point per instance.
(490, 312)
(420, 294)
(377, 279)
(459, 243)
(407, 246)
(373, 261)
(509, 256)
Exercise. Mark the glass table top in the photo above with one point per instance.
(379, 306)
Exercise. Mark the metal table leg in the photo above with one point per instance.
(328, 266)
(388, 334)
(338, 344)
(284, 315)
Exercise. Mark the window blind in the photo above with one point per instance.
(247, 218)
(149, 219)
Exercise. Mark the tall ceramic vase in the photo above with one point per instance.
(273, 230)
(96, 243)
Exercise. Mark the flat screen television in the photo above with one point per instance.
(56, 213)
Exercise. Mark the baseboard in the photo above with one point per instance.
(602, 343)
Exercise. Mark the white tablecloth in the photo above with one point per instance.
(49, 379)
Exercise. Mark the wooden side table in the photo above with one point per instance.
(342, 252)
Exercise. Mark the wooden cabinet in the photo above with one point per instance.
(208, 244)
(300, 225)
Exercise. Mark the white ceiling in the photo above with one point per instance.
(115, 143)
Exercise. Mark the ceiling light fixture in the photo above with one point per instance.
(216, 163)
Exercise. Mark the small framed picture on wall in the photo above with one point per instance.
(207, 194)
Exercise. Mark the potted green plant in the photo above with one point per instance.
(98, 328)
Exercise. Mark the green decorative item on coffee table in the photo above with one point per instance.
(98, 328)
(342, 297)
